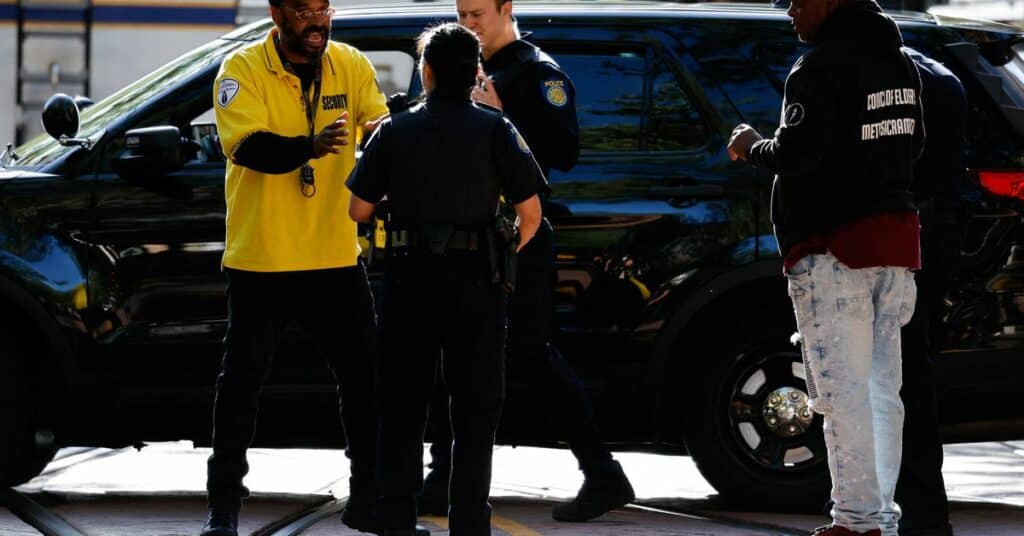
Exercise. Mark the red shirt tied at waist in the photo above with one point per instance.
(888, 239)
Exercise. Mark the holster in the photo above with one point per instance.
(506, 239)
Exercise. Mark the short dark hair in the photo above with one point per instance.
(453, 53)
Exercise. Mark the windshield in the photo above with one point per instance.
(43, 148)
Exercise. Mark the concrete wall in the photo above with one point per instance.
(138, 51)
(8, 72)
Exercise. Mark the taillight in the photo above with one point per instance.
(1003, 183)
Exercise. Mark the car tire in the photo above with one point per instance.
(750, 433)
(20, 459)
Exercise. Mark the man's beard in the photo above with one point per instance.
(295, 43)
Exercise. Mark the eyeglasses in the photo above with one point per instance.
(309, 14)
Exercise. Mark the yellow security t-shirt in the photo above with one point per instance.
(271, 225)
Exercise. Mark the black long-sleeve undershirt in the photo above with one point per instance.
(270, 153)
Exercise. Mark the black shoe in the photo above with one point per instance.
(358, 515)
(221, 523)
(433, 499)
(600, 494)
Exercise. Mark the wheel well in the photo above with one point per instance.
(759, 300)
(38, 350)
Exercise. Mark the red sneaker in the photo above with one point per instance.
(836, 530)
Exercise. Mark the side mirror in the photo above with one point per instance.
(153, 151)
(83, 102)
(60, 116)
(60, 120)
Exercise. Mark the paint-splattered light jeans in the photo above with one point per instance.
(849, 322)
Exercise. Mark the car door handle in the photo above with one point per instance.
(698, 191)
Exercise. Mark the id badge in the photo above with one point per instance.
(306, 175)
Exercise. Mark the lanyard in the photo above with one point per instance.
(306, 181)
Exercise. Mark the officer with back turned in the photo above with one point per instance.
(539, 99)
(443, 165)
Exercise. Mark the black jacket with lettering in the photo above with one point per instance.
(850, 131)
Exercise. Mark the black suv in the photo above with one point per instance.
(671, 304)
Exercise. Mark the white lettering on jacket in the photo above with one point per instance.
(891, 97)
(889, 127)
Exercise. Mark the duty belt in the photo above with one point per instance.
(435, 243)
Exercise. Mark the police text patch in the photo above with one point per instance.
(227, 90)
(794, 114)
(335, 102)
(554, 92)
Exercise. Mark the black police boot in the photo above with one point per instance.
(358, 513)
(601, 492)
(433, 499)
(221, 523)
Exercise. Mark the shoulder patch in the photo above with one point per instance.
(227, 90)
(794, 115)
(555, 92)
(520, 140)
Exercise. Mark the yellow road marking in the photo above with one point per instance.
(511, 527)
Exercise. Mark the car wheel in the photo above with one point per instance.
(752, 436)
(20, 459)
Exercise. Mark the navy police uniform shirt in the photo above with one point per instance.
(540, 100)
(446, 161)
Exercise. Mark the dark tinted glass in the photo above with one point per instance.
(673, 122)
(609, 97)
(777, 56)
(991, 140)
(750, 89)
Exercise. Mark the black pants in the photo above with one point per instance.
(537, 362)
(336, 307)
(439, 306)
(920, 490)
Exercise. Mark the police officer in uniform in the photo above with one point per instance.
(442, 166)
(539, 99)
(282, 107)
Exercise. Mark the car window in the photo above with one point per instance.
(609, 97)
(777, 58)
(991, 140)
(394, 69)
(750, 89)
(628, 99)
(673, 122)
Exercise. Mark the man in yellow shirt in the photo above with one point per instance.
(283, 108)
